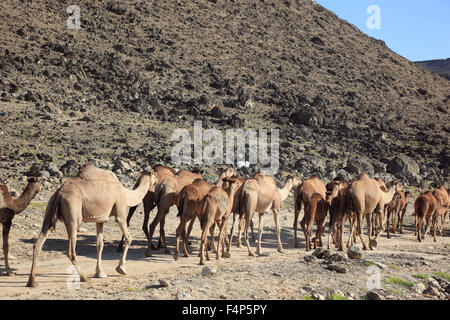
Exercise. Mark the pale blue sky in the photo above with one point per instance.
(416, 29)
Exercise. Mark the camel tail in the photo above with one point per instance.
(243, 205)
(206, 208)
(421, 208)
(181, 208)
(52, 213)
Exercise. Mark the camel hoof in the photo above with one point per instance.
(32, 283)
(154, 247)
(122, 270)
(226, 255)
(251, 254)
(201, 263)
(100, 275)
(148, 253)
(280, 250)
(175, 257)
(238, 245)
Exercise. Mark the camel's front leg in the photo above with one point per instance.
(296, 213)
(6, 229)
(121, 268)
(99, 270)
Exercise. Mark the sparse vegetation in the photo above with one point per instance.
(399, 281)
(443, 275)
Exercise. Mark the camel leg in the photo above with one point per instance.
(6, 229)
(253, 233)
(162, 211)
(442, 229)
(296, 213)
(248, 218)
(387, 223)
(230, 239)
(99, 270)
(203, 245)
(260, 232)
(37, 247)
(71, 252)
(359, 221)
(121, 268)
(427, 228)
(181, 232)
(435, 218)
(418, 228)
(276, 218)
(162, 236)
(220, 241)
(129, 216)
(191, 225)
(241, 226)
(211, 243)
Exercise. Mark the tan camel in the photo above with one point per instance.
(9, 207)
(365, 196)
(337, 203)
(303, 194)
(149, 202)
(261, 194)
(92, 196)
(315, 211)
(397, 208)
(216, 208)
(167, 194)
(190, 205)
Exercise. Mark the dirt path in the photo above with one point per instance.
(275, 276)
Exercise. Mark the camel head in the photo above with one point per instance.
(152, 175)
(294, 180)
(230, 185)
(332, 191)
(36, 183)
(225, 172)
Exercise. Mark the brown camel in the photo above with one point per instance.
(442, 195)
(303, 194)
(425, 207)
(365, 196)
(9, 207)
(149, 202)
(315, 211)
(167, 194)
(216, 208)
(92, 196)
(190, 205)
(337, 202)
(261, 194)
(397, 208)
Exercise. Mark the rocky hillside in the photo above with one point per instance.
(439, 66)
(137, 70)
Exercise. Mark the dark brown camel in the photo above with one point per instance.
(397, 209)
(315, 211)
(9, 207)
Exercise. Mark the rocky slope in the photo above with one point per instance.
(137, 70)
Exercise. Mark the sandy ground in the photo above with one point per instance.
(274, 276)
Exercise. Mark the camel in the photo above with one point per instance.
(166, 195)
(337, 203)
(92, 196)
(216, 208)
(397, 208)
(9, 207)
(315, 211)
(443, 196)
(149, 202)
(425, 207)
(189, 207)
(365, 196)
(260, 194)
(302, 195)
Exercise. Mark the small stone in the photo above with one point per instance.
(338, 268)
(164, 283)
(374, 295)
(222, 296)
(208, 271)
(337, 257)
(354, 252)
(321, 253)
(381, 265)
(418, 288)
(309, 259)
(318, 296)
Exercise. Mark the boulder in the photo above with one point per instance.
(360, 165)
(354, 252)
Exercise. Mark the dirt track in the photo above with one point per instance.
(276, 276)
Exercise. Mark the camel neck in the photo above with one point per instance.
(18, 205)
(284, 192)
(136, 196)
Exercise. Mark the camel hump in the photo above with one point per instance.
(363, 175)
(89, 172)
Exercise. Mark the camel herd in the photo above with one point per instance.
(94, 195)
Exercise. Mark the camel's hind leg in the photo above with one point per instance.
(6, 228)
(230, 239)
(99, 270)
(121, 268)
(296, 213)
(71, 254)
(37, 247)
(260, 232)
